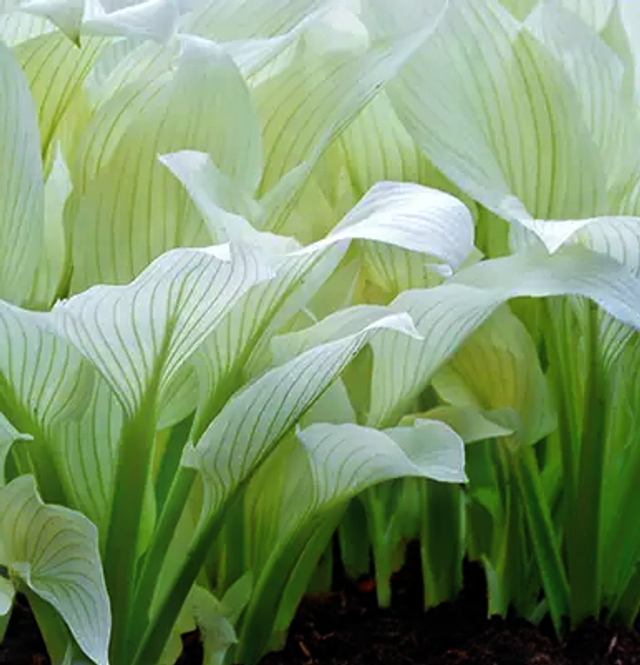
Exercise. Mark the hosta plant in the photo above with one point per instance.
(224, 318)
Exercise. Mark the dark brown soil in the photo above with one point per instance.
(346, 628)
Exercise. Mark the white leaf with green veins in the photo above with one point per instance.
(54, 551)
(87, 449)
(43, 379)
(617, 237)
(417, 218)
(400, 215)
(8, 435)
(153, 19)
(54, 271)
(346, 459)
(116, 166)
(228, 20)
(141, 334)
(226, 207)
(506, 125)
(597, 75)
(595, 13)
(469, 423)
(17, 27)
(65, 14)
(22, 184)
(307, 105)
(346, 321)
(7, 594)
(255, 419)
(498, 368)
(56, 70)
(215, 628)
(446, 315)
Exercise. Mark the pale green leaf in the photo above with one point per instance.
(22, 186)
(598, 77)
(224, 205)
(506, 124)
(66, 14)
(414, 218)
(51, 275)
(255, 419)
(153, 19)
(617, 237)
(55, 69)
(7, 593)
(237, 597)
(468, 422)
(16, 27)
(595, 13)
(346, 459)
(215, 629)
(237, 348)
(87, 448)
(343, 322)
(498, 368)
(8, 435)
(227, 20)
(116, 167)
(43, 379)
(54, 551)
(308, 104)
(139, 335)
(446, 315)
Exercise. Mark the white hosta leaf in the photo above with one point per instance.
(180, 397)
(139, 335)
(199, 101)
(16, 27)
(7, 594)
(153, 19)
(403, 16)
(215, 629)
(594, 13)
(498, 368)
(8, 436)
(506, 124)
(227, 20)
(224, 205)
(469, 423)
(54, 551)
(343, 322)
(87, 448)
(56, 70)
(51, 274)
(254, 420)
(22, 185)
(229, 357)
(598, 76)
(346, 459)
(307, 105)
(260, 58)
(43, 379)
(446, 315)
(626, 23)
(415, 218)
(66, 14)
(238, 343)
(376, 147)
(519, 8)
(617, 237)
